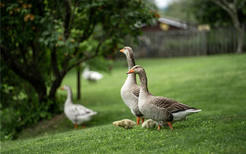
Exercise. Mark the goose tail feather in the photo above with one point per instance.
(193, 110)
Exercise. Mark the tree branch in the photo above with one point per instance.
(23, 71)
(223, 4)
(34, 52)
(22, 51)
(12, 63)
(67, 19)
(83, 38)
(54, 62)
(90, 27)
(86, 34)
(231, 9)
(87, 57)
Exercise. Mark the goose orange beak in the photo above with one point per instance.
(122, 50)
(130, 71)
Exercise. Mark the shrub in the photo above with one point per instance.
(19, 106)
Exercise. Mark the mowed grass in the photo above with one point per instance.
(215, 84)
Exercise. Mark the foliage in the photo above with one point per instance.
(19, 105)
(71, 33)
(213, 83)
(41, 41)
(203, 12)
(235, 10)
(217, 13)
(208, 12)
(179, 10)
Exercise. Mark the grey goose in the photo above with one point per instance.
(161, 109)
(130, 90)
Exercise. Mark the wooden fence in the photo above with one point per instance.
(186, 43)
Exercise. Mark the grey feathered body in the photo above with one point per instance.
(150, 110)
(130, 90)
(129, 94)
(159, 108)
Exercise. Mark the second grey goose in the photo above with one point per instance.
(161, 109)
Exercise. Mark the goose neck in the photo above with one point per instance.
(69, 95)
(130, 60)
(131, 78)
(143, 82)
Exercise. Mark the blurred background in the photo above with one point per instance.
(45, 44)
(192, 28)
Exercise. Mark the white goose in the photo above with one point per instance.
(77, 113)
(130, 89)
(91, 75)
(160, 109)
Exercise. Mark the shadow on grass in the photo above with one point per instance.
(60, 123)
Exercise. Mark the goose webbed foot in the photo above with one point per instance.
(159, 127)
(138, 120)
(142, 120)
(170, 125)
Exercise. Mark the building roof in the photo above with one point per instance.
(174, 23)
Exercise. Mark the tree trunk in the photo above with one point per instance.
(239, 32)
(240, 38)
(54, 107)
(41, 90)
(78, 83)
(232, 10)
(30, 74)
(55, 85)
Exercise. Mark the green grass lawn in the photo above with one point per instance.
(215, 84)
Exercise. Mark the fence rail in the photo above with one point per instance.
(186, 43)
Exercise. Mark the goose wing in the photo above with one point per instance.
(79, 110)
(135, 90)
(96, 75)
(171, 105)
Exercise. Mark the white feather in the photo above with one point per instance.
(91, 75)
(77, 113)
(182, 115)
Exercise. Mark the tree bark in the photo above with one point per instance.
(240, 33)
(53, 108)
(239, 29)
(55, 85)
(67, 19)
(78, 83)
(41, 90)
(29, 74)
(231, 9)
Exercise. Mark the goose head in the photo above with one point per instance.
(65, 87)
(136, 69)
(127, 51)
(129, 56)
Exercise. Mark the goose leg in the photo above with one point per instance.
(75, 125)
(138, 119)
(170, 125)
(142, 120)
(159, 127)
